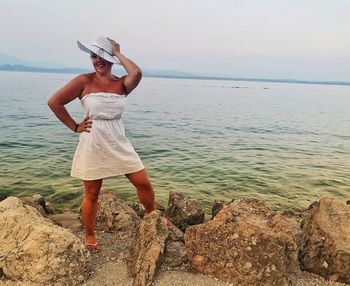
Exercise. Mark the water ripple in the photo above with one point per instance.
(211, 140)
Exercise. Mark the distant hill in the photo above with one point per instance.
(23, 68)
(12, 63)
(147, 73)
(11, 60)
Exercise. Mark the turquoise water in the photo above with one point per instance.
(288, 144)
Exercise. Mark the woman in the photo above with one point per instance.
(103, 149)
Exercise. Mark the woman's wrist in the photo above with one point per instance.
(116, 53)
(76, 128)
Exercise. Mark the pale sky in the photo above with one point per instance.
(281, 39)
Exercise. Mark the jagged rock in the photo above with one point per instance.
(160, 207)
(30, 201)
(218, 205)
(325, 240)
(175, 249)
(146, 256)
(313, 205)
(175, 254)
(40, 200)
(246, 243)
(138, 208)
(34, 250)
(2, 197)
(50, 208)
(114, 215)
(184, 211)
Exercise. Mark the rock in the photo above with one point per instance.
(2, 197)
(139, 209)
(114, 215)
(325, 240)
(175, 254)
(67, 220)
(34, 250)
(175, 249)
(30, 201)
(40, 200)
(313, 205)
(160, 207)
(50, 208)
(246, 243)
(184, 211)
(218, 205)
(146, 256)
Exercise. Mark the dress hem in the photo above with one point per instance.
(106, 176)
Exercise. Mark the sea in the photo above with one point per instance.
(287, 144)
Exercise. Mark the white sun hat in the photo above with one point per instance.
(101, 47)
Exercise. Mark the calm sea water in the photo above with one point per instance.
(288, 144)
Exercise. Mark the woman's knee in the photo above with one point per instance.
(140, 180)
(91, 195)
(92, 189)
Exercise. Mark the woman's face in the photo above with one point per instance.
(100, 65)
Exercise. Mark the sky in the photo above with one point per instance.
(277, 39)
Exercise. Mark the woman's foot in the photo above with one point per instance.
(91, 243)
(92, 247)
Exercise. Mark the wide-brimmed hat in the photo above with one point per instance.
(101, 47)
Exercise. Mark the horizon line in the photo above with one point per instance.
(163, 74)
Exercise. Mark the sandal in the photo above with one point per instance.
(92, 247)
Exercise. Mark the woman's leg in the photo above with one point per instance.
(89, 209)
(144, 189)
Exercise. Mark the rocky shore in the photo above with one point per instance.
(241, 243)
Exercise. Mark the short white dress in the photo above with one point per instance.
(104, 151)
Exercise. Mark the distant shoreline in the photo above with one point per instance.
(23, 68)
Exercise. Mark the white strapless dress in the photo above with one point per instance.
(105, 151)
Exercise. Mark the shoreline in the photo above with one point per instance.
(109, 267)
(129, 197)
(110, 271)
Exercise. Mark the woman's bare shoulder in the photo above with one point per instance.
(83, 78)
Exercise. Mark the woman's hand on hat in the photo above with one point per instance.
(115, 46)
(84, 126)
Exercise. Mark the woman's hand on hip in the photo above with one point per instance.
(85, 125)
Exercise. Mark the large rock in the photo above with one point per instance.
(36, 201)
(325, 240)
(36, 251)
(114, 215)
(147, 255)
(184, 211)
(246, 243)
(175, 250)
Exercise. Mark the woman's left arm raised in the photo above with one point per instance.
(134, 72)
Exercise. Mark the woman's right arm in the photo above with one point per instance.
(66, 94)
